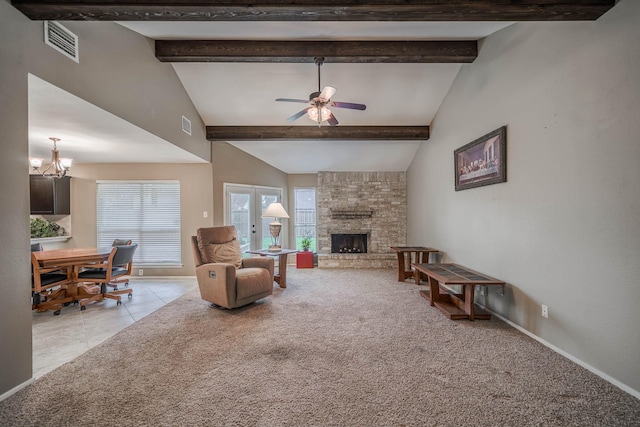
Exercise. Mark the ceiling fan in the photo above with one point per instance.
(319, 101)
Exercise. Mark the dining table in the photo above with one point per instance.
(71, 259)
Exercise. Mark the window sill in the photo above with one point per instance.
(50, 239)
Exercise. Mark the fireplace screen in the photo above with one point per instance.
(348, 243)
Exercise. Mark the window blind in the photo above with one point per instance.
(148, 213)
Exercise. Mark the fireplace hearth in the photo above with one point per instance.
(349, 243)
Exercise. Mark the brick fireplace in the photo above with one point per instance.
(369, 205)
(348, 243)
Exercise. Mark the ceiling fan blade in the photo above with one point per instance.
(297, 115)
(291, 100)
(349, 105)
(328, 92)
(332, 120)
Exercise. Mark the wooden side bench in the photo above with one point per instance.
(454, 305)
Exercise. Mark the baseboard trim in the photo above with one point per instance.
(16, 389)
(606, 377)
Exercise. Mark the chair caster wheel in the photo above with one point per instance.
(130, 295)
(119, 303)
(83, 308)
(56, 313)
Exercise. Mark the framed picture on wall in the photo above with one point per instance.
(483, 161)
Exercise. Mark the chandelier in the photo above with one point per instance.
(58, 167)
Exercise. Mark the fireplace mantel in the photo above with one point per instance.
(351, 213)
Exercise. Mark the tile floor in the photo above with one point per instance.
(53, 345)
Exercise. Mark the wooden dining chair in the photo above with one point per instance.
(117, 265)
(48, 285)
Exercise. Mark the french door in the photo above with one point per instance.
(244, 205)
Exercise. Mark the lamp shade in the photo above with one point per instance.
(275, 210)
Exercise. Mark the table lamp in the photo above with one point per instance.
(276, 211)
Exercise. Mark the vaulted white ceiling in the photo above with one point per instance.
(244, 94)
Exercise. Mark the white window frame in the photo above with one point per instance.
(314, 237)
(156, 228)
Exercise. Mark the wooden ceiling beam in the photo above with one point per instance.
(312, 10)
(305, 51)
(274, 133)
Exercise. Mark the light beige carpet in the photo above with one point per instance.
(336, 348)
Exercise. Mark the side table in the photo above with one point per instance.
(281, 276)
(417, 255)
(304, 259)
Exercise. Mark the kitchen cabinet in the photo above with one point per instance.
(50, 196)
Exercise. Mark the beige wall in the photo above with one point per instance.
(196, 197)
(15, 313)
(197, 194)
(564, 229)
(234, 166)
(118, 72)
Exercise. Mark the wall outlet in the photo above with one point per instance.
(140, 272)
(545, 311)
(205, 214)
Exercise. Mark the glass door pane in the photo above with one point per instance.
(244, 207)
(266, 197)
(240, 215)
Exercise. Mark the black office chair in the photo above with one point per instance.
(43, 281)
(116, 266)
(114, 283)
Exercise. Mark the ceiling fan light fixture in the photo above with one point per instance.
(325, 113)
(317, 111)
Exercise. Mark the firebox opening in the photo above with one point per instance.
(348, 243)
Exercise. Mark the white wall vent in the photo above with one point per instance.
(186, 125)
(61, 39)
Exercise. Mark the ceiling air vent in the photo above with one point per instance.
(186, 125)
(61, 39)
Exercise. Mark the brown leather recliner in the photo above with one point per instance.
(224, 277)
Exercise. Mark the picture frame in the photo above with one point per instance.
(482, 161)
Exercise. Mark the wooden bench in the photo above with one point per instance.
(454, 305)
